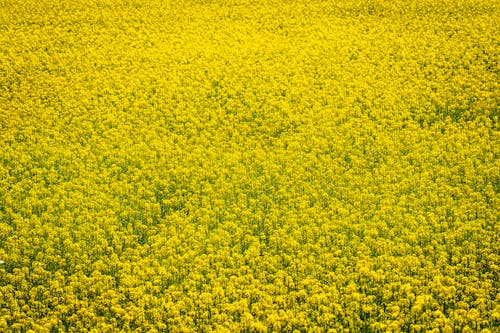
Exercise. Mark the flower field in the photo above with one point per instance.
(249, 166)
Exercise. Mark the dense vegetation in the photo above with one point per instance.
(249, 166)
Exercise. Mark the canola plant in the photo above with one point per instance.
(249, 166)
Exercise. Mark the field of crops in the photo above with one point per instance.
(249, 166)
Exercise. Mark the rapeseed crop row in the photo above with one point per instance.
(249, 166)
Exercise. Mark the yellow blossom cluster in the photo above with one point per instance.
(249, 166)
